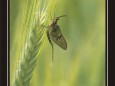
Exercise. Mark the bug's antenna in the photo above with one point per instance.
(51, 45)
(62, 16)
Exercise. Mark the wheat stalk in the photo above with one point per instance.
(32, 25)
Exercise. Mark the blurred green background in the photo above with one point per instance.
(83, 63)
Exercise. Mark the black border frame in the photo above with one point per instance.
(109, 23)
(111, 43)
(3, 44)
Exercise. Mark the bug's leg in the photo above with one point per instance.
(44, 26)
(54, 15)
(51, 17)
(51, 44)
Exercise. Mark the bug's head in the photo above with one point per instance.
(56, 19)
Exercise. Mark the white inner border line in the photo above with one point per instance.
(107, 40)
(7, 44)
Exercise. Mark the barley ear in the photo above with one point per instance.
(35, 15)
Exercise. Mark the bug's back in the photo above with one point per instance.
(57, 37)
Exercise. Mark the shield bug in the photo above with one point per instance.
(54, 33)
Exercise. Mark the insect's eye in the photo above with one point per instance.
(57, 18)
(52, 24)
